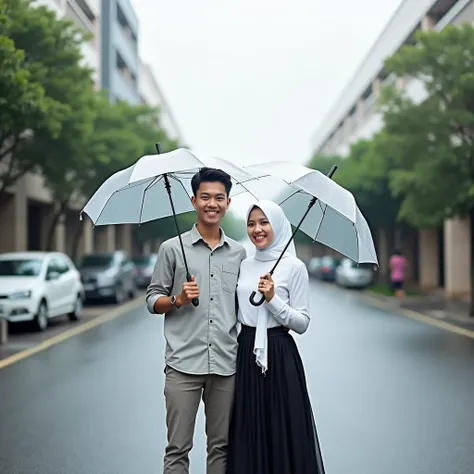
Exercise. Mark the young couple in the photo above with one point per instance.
(258, 413)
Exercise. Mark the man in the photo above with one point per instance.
(201, 342)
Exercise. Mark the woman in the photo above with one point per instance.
(272, 427)
(398, 265)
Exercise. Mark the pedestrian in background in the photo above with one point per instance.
(398, 264)
(201, 342)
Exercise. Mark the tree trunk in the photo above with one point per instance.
(54, 224)
(471, 222)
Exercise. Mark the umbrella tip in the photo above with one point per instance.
(158, 147)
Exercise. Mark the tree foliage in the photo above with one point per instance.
(365, 173)
(432, 140)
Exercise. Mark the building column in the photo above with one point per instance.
(383, 253)
(428, 22)
(409, 251)
(124, 238)
(86, 241)
(457, 258)
(105, 239)
(13, 231)
(60, 235)
(428, 258)
(376, 86)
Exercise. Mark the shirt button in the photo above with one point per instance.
(212, 275)
(212, 299)
(210, 321)
(210, 344)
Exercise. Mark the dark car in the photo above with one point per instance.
(107, 276)
(327, 268)
(144, 269)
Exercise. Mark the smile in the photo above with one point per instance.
(259, 238)
(211, 213)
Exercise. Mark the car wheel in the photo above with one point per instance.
(41, 318)
(119, 295)
(76, 314)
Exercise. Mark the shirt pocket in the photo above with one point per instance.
(230, 273)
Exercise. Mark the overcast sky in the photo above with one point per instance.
(250, 80)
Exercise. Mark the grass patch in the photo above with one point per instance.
(386, 290)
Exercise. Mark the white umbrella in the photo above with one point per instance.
(316, 205)
(157, 186)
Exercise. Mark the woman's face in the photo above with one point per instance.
(259, 229)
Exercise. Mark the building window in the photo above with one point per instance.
(124, 70)
(122, 20)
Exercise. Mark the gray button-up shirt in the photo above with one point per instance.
(199, 340)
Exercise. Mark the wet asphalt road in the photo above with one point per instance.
(390, 396)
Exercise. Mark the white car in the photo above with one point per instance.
(351, 275)
(37, 286)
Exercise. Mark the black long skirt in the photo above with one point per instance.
(272, 427)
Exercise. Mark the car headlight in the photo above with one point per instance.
(20, 295)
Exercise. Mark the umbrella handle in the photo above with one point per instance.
(256, 303)
(195, 301)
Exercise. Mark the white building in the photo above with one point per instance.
(353, 116)
(86, 15)
(152, 95)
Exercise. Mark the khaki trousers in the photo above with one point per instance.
(183, 393)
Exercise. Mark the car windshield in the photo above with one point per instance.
(141, 261)
(97, 261)
(21, 267)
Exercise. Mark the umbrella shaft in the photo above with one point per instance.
(168, 189)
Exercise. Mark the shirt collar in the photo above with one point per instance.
(196, 236)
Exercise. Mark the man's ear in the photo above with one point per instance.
(229, 200)
(193, 200)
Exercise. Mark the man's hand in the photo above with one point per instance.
(189, 292)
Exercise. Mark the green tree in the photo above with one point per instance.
(122, 133)
(365, 173)
(432, 140)
(24, 107)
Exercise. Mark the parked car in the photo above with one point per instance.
(313, 266)
(38, 286)
(108, 276)
(327, 268)
(351, 275)
(144, 269)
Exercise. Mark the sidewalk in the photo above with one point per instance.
(433, 305)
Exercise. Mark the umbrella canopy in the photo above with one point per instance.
(333, 219)
(139, 193)
(157, 186)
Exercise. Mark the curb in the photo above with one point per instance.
(415, 315)
(63, 336)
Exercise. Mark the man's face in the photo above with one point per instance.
(211, 203)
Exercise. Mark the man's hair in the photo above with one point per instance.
(209, 175)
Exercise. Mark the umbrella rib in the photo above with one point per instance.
(321, 221)
(291, 195)
(154, 181)
(124, 188)
(174, 178)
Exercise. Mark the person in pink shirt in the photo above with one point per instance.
(398, 265)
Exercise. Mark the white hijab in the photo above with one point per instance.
(281, 235)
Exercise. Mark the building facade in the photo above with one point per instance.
(151, 95)
(354, 116)
(120, 63)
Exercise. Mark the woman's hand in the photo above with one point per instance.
(266, 286)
